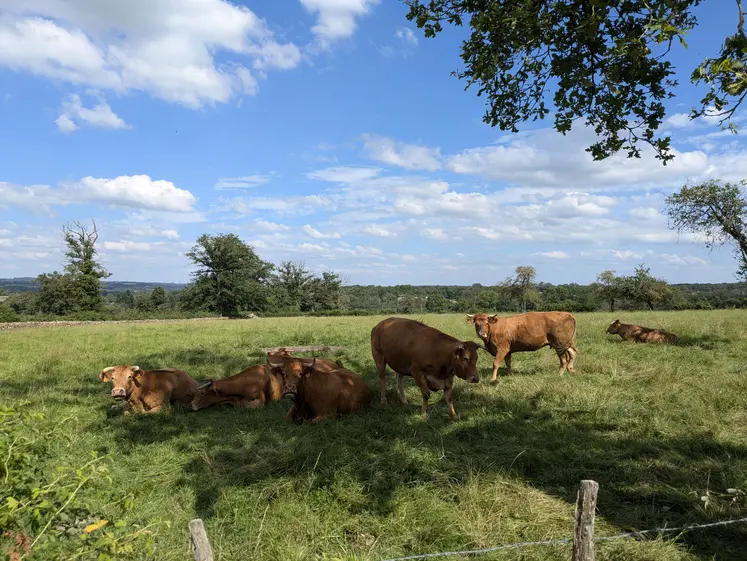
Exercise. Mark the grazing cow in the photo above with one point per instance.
(146, 391)
(640, 334)
(527, 332)
(322, 394)
(252, 387)
(431, 357)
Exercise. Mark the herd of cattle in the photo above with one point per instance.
(323, 388)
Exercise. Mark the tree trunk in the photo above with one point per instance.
(650, 305)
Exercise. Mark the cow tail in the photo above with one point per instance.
(570, 348)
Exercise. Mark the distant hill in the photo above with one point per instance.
(28, 284)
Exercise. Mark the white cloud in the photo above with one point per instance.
(168, 49)
(344, 174)
(394, 153)
(244, 182)
(406, 34)
(127, 246)
(270, 226)
(679, 120)
(314, 233)
(283, 205)
(644, 213)
(100, 116)
(553, 255)
(438, 234)
(379, 231)
(137, 191)
(336, 19)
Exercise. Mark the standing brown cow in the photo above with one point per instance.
(629, 332)
(431, 357)
(527, 332)
(148, 390)
(321, 394)
(252, 387)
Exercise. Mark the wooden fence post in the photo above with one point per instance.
(583, 524)
(200, 543)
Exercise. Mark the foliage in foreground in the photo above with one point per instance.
(48, 511)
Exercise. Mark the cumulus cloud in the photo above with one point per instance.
(379, 231)
(336, 19)
(409, 156)
(553, 255)
(344, 174)
(100, 116)
(193, 52)
(314, 233)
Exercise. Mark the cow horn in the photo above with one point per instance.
(135, 369)
(205, 385)
(108, 369)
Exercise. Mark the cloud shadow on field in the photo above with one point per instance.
(646, 479)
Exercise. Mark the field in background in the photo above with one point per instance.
(656, 426)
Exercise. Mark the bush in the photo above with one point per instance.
(7, 314)
(47, 511)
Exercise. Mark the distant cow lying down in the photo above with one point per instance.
(527, 332)
(283, 357)
(319, 394)
(146, 391)
(252, 387)
(629, 332)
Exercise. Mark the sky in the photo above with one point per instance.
(324, 131)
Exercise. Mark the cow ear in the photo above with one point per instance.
(470, 318)
(493, 318)
(459, 350)
(106, 374)
(136, 371)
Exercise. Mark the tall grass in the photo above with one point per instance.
(659, 427)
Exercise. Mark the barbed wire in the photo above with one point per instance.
(565, 541)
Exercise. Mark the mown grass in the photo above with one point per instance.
(656, 426)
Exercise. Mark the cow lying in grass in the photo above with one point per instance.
(322, 394)
(629, 332)
(147, 391)
(256, 385)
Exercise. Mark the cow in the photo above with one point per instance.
(640, 334)
(527, 332)
(253, 387)
(430, 356)
(147, 391)
(319, 395)
(281, 357)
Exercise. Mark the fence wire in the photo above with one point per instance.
(565, 541)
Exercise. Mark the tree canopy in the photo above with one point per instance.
(719, 212)
(608, 61)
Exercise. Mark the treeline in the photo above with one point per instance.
(232, 280)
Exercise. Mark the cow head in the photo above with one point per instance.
(614, 327)
(293, 371)
(279, 355)
(124, 379)
(464, 360)
(206, 395)
(482, 324)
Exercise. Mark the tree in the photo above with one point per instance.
(58, 294)
(608, 288)
(607, 59)
(85, 271)
(522, 287)
(158, 297)
(644, 287)
(295, 278)
(436, 303)
(718, 212)
(230, 276)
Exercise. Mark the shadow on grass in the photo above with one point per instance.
(646, 480)
(706, 342)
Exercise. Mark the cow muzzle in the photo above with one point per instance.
(119, 393)
(474, 380)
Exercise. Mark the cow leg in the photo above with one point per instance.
(572, 353)
(509, 369)
(401, 388)
(381, 369)
(318, 418)
(425, 391)
(291, 413)
(449, 400)
(500, 354)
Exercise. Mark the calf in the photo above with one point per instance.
(146, 391)
(321, 395)
(527, 332)
(252, 387)
(431, 357)
(629, 332)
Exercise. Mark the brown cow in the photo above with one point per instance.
(527, 332)
(146, 391)
(431, 357)
(640, 334)
(252, 387)
(281, 357)
(321, 395)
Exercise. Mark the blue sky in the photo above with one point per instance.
(329, 131)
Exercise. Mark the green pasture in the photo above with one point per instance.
(659, 427)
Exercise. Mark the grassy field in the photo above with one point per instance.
(656, 426)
